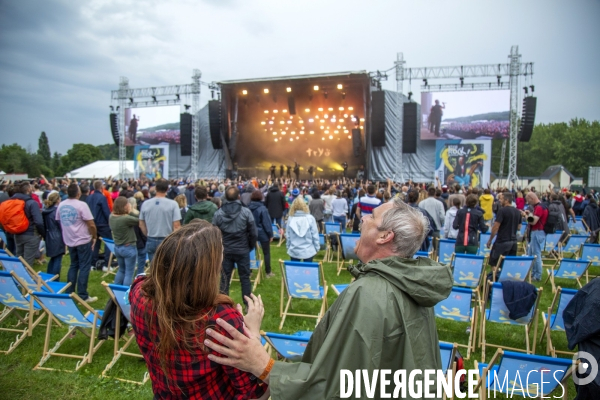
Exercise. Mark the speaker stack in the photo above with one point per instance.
(356, 142)
(114, 128)
(378, 119)
(185, 127)
(527, 118)
(214, 122)
(410, 123)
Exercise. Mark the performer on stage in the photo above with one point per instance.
(288, 173)
(272, 169)
(133, 125)
(360, 175)
(345, 166)
(311, 171)
(436, 114)
(281, 171)
(297, 170)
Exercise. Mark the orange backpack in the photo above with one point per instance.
(12, 216)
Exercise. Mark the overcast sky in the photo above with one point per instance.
(59, 59)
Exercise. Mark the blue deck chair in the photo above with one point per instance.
(458, 307)
(447, 353)
(445, 250)
(277, 234)
(573, 245)
(554, 322)
(339, 288)
(467, 270)
(423, 254)
(579, 227)
(333, 227)
(483, 239)
(118, 294)
(590, 252)
(324, 246)
(289, 347)
(3, 238)
(568, 268)
(514, 268)
(22, 307)
(110, 245)
(521, 236)
(347, 242)
(64, 308)
(551, 246)
(256, 263)
(546, 373)
(498, 314)
(302, 280)
(34, 281)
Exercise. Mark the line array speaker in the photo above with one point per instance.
(378, 119)
(527, 118)
(185, 127)
(410, 124)
(114, 128)
(356, 142)
(214, 119)
(291, 105)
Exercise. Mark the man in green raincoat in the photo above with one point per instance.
(383, 320)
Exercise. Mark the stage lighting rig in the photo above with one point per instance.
(532, 87)
(409, 95)
(112, 108)
(425, 82)
(498, 78)
(244, 92)
(187, 107)
(177, 97)
(525, 89)
(462, 81)
(288, 89)
(118, 108)
(154, 99)
(316, 88)
(131, 100)
(340, 86)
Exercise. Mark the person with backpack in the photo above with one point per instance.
(55, 246)
(469, 222)
(537, 221)
(21, 217)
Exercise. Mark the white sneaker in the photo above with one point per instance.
(91, 299)
(105, 269)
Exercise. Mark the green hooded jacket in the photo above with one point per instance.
(383, 320)
(204, 209)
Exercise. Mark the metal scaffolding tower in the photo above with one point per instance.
(195, 123)
(515, 64)
(123, 87)
(399, 78)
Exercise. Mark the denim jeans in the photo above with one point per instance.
(299, 260)
(104, 232)
(243, 267)
(141, 260)
(79, 271)
(266, 248)
(54, 265)
(340, 220)
(538, 241)
(126, 256)
(151, 246)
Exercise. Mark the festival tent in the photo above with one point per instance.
(102, 169)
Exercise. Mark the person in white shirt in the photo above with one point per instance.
(339, 209)
(328, 199)
(449, 231)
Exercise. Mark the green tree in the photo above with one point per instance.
(44, 149)
(77, 156)
(111, 152)
(56, 164)
(13, 158)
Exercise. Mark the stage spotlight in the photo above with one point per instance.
(362, 120)
(282, 122)
(291, 139)
(350, 108)
(300, 121)
(322, 127)
(312, 132)
(345, 115)
(336, 132)
(330, 136)
(307, 110)
(341, 108)
(302, 132)
(341, 119)
(112, 108)
(320, 108)
(525, 89)
(177, 97)
(349, 136)
(266, 111)
(322, 138)
(325, 115)
(293, 132)
(289, 89)
(154, 99)
(266, 91)
(289, 122)
(244, 92)
(311, 120)
(130, 100)
(263, 123)
(409, 95)
(425, 82)
(330, 108)
(283, 132)
(532, 87)
(316, 88)
(275, 111)
(270, 122)
(276, 139)
(275, 133)
(326, 131)
(322, 121)
(284, 111)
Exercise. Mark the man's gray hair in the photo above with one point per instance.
(409, 225)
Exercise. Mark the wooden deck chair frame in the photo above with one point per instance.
(38, 278)
(326, 243)
(281, 234)
(554, 252)
(122, 350)
(341, 259)
(501, 262)
(480, 387)
(109, 269)
(471, 343)
(84, 359)
(284, 289)
(552, 272)
(533, 322)
(564, 249)
(581, 249)
(547, 330)
(337, 289)
(436, 253)
(259, 271)
(26, 316)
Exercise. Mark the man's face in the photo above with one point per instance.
(369, 232)
(461, 161)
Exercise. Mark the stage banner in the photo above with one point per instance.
(151, 162)
(464, 162)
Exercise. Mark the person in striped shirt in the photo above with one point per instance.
(367, 203)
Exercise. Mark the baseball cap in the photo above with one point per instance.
(295, 192)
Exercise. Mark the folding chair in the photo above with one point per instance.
(255, 265)
(514, 268)
(555, 322)
(483, 249)
(289, 347)
(277, 234)
(3, 238)
(302, 280)
(590, 252)
(332, 227)
(579, 227)
(573, 244)
(339, 288)
(63, 307)
(447, 353)
(539, 373)
(118, 295)
(522, 232)
(467, 270)
(498, 313)
(347, 242)
(551, 246)
(423, 254)
(568, 268)
(457, 307)
(33, 281)
(110, 245)
(22, 307)
(323, 242)
(445, 250)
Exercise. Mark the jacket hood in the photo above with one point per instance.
(21, 196)
(273, 189)
(254, 205)
(299, 223)
(452, 211)
(249, 188)
(487, 197)
(231, 210)
(425, 281)
(203, 206)
(50, 210)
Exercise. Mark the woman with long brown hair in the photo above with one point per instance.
(171, 309)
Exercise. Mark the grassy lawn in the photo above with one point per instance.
(18, 381)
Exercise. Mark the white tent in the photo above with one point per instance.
(102, 169)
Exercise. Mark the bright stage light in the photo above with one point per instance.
(274, 133)
(283, 111)
(340, 86)
(293, 132)
(289, 89)
(345, 115)
(341, 119)
(322, 121)
(291, 139)
(300, 122)
(302, 132)
(361, 127)
(349, 136)
(330, 108)
(307, 110)
(322, 127)
(281, 122)
(276, 140)
(362, 120)
(283, 132)
(266, 91)
(244, 92)
(263, 123)
(266, 111)
(322, 138)
(339, 127)
(270, 122)
(316, 87)
(311, 120)
(345, 130)
(287, 128)
(332, 119)
(336, 132)
(320, 108)
(326, 131)
(275, 111)
(312, 132)
(289, 122)
(326, 116)
(330, 137)
(341, 108)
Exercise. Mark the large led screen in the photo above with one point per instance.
(465, 115)
(152, 125)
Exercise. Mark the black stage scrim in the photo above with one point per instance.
(264, 131)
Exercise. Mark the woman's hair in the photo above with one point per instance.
(138, 196)
(145, 193)
(217, 201)
(256, 196)
(472, 200)
(298, 205)
(183, 286)
(53, 199)
(519, 194)
(338, 194)
(119, 205)
(133, 203)
(181, 200)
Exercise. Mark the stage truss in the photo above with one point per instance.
(513, 70)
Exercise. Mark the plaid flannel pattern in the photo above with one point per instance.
(191, 375)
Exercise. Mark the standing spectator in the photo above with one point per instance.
(79, 234)
(216, 201)
(536, 221)
(449, 231)
(435, 209)
(438, 197)
(302, 234)
(122, 223)
(275, 203)
(189, 195)
(125, 191)
(328, 198)
(247, 194)
(28, 242)
(3, 195)
(159, 217)
(202, 209)
(339, 209)
(182, 203)
(506, 226)
(114, 191)
(469, 222)
(317, 207)
(367, 203)
(55, 246)
(99, 208)
(486, 202)
(263, 227)
(413, 197)
(520, 201)
(219, 192)
(140, 239)
(354, 214)
(85, 192)
(590, 214)
(239, 237)
(457, 193)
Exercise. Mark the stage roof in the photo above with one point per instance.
(332, 75)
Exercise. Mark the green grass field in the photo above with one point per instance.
(19, 381)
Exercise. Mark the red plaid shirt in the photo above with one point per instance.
(191, 375)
